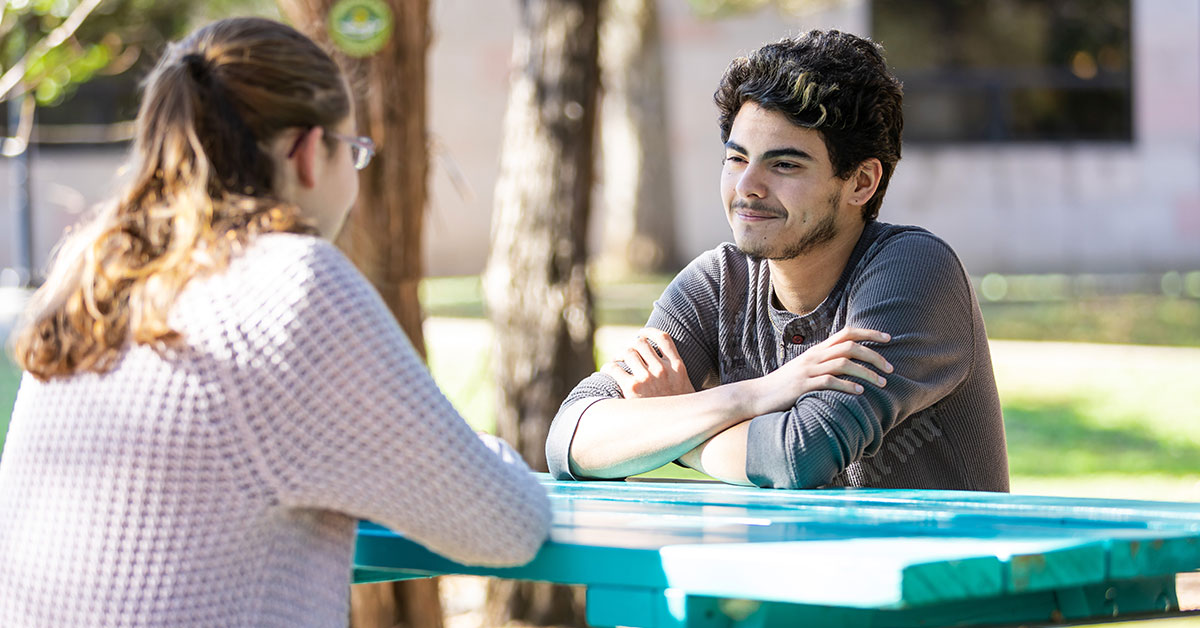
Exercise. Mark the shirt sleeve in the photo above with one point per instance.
(915, 289)
(688, 303)
(345, 416)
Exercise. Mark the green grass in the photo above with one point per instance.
(624, 303)
(1074, 412)
(1077, 415)
(1057, 437)
(1125, 319)
(10, 375)
(1082, 419)
(1153, 319)
(1087, 419)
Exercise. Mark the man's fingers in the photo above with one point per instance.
(868, 355)
(850, 368)
(617, 369)
(850, 348)
(651, 356)
(857, 334)
(665, 345)
(636, 363)
(653, 345)
(829, 382)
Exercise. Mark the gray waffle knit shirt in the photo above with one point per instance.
(937, 424)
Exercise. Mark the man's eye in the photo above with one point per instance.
(735, 159)
(783, 165)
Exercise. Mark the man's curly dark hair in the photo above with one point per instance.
(835, 83)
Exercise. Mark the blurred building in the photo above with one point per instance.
(1041, 136)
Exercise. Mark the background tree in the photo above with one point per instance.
(383, 234)
(639, 201)
(536, 284)
(49, 48)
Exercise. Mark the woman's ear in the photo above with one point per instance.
(304, 156)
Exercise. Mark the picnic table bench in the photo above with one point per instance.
(707, 555)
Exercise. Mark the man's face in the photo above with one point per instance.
(781, 197)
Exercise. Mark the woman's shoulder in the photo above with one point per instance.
(277, 251)
(288, 261)
(275, 273)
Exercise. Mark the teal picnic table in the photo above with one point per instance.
(711, 555)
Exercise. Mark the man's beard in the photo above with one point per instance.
(824, 230)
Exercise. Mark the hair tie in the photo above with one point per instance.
(197, 66)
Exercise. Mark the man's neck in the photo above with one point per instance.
(802, 283)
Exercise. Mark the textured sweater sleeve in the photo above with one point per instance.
(685, 305)
(915, 289)
(344, 416)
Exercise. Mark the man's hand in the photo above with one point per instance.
(650, 367)
(611, 437)
(819, 368)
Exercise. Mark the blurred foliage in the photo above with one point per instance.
(724, 8)
(117, 37)
(111, 39)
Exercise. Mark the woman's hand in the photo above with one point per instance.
(823, 366)
(650, 367)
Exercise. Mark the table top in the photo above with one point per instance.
(877, 549)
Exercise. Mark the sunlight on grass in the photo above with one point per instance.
(1082, 419)
(1134, 319)
(459, 354)
(1084, 415)
(10, 376)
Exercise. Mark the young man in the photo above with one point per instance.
(827, 348)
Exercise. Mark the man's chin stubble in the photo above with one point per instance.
(822, 233)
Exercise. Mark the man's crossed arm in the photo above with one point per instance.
(663, 419)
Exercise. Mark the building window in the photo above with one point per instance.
(1010, 70)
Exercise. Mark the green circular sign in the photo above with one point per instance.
(360, 28)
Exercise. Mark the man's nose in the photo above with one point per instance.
(750, 182)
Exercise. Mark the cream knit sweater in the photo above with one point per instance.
(219, 485)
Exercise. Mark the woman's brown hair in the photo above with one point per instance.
(202, 187)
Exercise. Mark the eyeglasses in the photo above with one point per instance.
(362, 148)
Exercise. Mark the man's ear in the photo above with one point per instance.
(304, 156)
(865, 181)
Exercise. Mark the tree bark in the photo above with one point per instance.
(383, 233)
(535, 284)
(639, 201)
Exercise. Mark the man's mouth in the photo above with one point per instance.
(754, 213)
(754, 216)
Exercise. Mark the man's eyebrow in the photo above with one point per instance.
(771, 154)
(788, 152)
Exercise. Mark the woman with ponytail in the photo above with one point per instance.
(213, 394)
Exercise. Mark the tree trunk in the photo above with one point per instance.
(383, 233)
(536, 285)
(639, 202)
